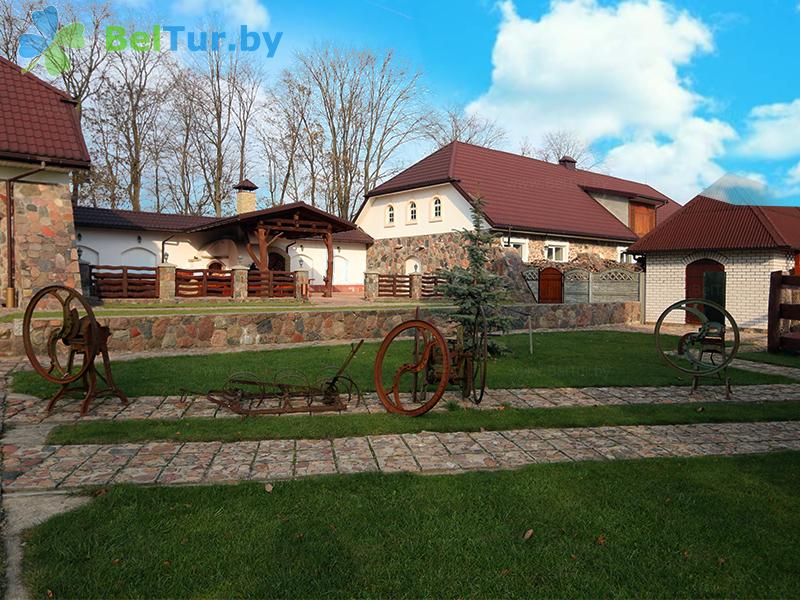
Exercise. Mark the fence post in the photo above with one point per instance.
(415, 286)
(166, 281)
(239, 282)
(370, 285)
(774, 312)
(591, 286)
(642, 297)
(300, 285)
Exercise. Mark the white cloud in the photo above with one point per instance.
(236, 12)
(773, 131)
(609, 72)
(793, 176)
(680, 168)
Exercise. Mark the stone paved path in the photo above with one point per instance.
(45, 467)
(760, 367)
(25, 410)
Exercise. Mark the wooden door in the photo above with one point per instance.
(551, 286)
(700, 285)
(641, 218)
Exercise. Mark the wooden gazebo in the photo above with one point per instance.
(297, 220)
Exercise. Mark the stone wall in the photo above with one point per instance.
(440, 251)
(144, 333)
(606, 250)
(44, 239)
(746, 281)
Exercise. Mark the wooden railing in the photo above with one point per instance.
(431, 286)
(109, 281)
(271, 284)
(394, 286)
(201, 283)
(780, 338)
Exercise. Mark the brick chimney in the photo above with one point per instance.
(245, 196)
(568, 162)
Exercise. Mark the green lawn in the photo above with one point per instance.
(321, 427)
(784, 359)
(566, 359)
(703, 527)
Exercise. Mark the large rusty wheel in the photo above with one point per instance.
(74, 326)
(429, 367)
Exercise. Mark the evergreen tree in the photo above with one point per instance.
(476, 286)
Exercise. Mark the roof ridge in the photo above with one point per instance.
(451, 166)
(767, 223)
(40, 81)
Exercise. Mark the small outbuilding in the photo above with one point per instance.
(722, 252)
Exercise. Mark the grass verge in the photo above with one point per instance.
(700, 527)
(783, 359)
(564, 359)
(320, 427)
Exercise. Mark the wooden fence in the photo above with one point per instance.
(123, 281)
(201, 283)
(394, 286)
(271, 284)
(778, 335)
(431, 286)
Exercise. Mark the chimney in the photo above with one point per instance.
(568, 162)
(245, 196)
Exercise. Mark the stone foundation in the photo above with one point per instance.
(170, 332)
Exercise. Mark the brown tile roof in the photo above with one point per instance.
(109, 218)
(38, 122)
(525, 193)
(708, 224)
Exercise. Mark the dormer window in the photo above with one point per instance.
(412, 212)
(436, 212)
(390, 216)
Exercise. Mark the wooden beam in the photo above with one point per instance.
(261, 234)
(329, 274)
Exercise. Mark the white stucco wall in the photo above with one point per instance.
(616, 205)
(120, 247)
(746, 281)
(456, 213)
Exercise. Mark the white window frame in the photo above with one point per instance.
(390, 216)
(564, 246)
(412, 212)
(434, 216)
(517, 243)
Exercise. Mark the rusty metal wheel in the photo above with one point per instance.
(77, 327)
(427, 341)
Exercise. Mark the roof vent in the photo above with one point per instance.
(568, 162)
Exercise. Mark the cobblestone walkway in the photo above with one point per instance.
(768, 369)
(66, 467)
(22, 409)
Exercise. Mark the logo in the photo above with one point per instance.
(50, 41)
(177, 37)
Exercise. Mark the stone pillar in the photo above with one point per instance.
(166, 281)
(415, 283)
(370, 285)
(300, 285)
(239, 282)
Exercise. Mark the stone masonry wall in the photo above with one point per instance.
(44, 239)
(606, 250)
(143, 333)
(746, 280)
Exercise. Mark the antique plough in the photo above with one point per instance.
(708, 348)
(78, 335)
(413, 388)
(245, 394)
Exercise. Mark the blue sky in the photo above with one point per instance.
(673, 93)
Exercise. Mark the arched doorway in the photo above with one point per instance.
(277, 262)
(551, 288)
(705, 278)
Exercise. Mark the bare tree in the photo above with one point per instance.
(558, 144)
(453, 125)
(15, 19)
(247, 89)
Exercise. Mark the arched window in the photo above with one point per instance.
(390, 215)
(412, 212)
(437, 208)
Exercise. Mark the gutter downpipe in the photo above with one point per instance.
(11, 297)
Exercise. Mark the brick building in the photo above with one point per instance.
(542, 210)
(719, 251)
(41, 144)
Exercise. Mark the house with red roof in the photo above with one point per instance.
(41, 144)
(542, 210)
(720, 251)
